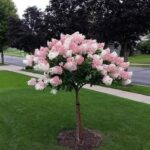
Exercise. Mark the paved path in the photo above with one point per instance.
(120, 93)
(115, 92)
(18, 69)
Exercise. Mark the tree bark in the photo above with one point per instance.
(2, 56)
(124, 52)
(78, 119)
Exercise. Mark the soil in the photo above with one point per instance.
(91, 140)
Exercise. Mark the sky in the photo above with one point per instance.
(21, 5)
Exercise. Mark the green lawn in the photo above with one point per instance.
(140, 59)
(14, 52)
(31, 120)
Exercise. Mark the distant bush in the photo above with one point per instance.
(144, 47)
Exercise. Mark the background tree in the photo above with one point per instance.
(7, 9)
(16, 33)
(27, 33)
(144, 47)
(121, 20)
(105, 20)
(33, 20)
(66, 16)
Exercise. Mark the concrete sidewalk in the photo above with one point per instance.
(115, 92)
(120, 93)
(18, 69)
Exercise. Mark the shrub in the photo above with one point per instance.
(144, 47)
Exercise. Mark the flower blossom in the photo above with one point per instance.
(70, 65)
(96, 62)
(79, 59)
(56, 70)
(126, 82)
(58, 47)
(42, 67)
(28, 60)
(51, 43)
(107, 80)
(32, 82)
(124, 65)
(40, 85)
(54, 91)
(125, 75)
(53, 54)
(55, 81)
(42, 52)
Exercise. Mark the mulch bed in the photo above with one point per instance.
(91, 140)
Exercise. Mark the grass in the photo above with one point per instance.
(140, 59)
(14, 52)
(31, 120)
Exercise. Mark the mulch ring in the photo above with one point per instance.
(91, 140)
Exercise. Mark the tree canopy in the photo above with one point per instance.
(7, 9)
(122, 20)
(105, 20)
(67, 17)
(27, 33)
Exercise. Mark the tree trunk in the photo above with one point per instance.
(124, 52)
(2, 56)
(78, 119)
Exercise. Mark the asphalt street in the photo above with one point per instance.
(18, 61)
(141, 75)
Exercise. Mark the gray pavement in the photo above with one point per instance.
(13, 60)
(141, 75)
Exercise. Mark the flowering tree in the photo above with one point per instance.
(72, 62)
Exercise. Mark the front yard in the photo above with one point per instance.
(15, 52)
(140, 59)
(140, 89)
(31, 120)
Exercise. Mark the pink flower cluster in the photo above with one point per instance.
(70, 52)
(69, 45)
(113, 58)
(71, 64)
(55, 81)
(29, 60)
(39, 85)
(56, 70)
(38, 59)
